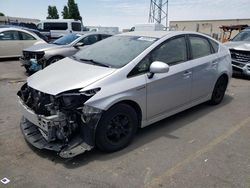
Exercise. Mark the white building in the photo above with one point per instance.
(9, 19)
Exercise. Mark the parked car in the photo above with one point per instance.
(39, 56)
(45, 38)
(14, 40)
(240, 52)
(101, 95)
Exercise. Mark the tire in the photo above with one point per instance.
(53, 60)
(116, 128)
(219, 90)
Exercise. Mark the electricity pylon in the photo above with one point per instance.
(158, 12)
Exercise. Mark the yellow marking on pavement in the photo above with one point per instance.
(158, 181)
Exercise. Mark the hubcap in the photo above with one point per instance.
(118, 129)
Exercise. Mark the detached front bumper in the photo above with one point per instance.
(239, 67)
(33, 126)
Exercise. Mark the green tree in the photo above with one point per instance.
(1, 14)
(71, 11)
(65, 12)
(52, 12)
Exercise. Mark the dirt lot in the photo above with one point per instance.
(206, 146)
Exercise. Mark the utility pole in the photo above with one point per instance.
(158, 12)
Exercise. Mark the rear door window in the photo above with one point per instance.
(76, 26)
(200, 47)
(26, 36)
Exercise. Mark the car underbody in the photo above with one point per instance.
(60, 123)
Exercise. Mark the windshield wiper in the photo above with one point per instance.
(95, 62)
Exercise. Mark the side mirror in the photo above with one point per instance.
(157, 67)
(79, 44)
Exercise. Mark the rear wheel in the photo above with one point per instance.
(219, 90)
(116, 128)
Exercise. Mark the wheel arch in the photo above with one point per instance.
(134, 105)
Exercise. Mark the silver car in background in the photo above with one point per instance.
(13, 40)
(101, 95)
(239, 47)
(39, 56)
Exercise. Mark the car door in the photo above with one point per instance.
(27, 39)
(10, 44)
(167, 92)
(204, 63)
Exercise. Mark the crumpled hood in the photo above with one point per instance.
(67, 74)
(42, 47)
(239, 45)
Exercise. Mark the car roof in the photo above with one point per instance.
(13, 28)
(156, 34)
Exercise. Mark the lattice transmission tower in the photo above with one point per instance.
(158, 12)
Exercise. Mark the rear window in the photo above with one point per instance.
(55, 26)
(76, 26)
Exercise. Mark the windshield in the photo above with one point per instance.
(116, 51)
(67, 39)
(242, 36)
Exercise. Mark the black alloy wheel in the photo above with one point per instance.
(219, 90)
(116, 128)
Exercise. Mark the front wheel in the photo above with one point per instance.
(116, 128)
(219, 91)
(53, 60)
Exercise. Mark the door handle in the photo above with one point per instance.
(187, 73)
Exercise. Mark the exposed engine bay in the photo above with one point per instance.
(62, 120)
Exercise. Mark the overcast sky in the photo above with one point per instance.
(126, 13)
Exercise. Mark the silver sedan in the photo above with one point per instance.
(39, 56)
(101, 95)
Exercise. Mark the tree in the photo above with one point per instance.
(1, 14)
(52, 12)
(71, 11)
(65, 12)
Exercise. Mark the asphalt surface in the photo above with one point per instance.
(206, 146)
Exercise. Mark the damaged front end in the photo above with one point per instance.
(61, 123)
(33, 61)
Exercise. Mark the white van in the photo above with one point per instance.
(54, 28)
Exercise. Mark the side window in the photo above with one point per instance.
(90, 39)
(141, 67)
(9, 35)
(200, 47)
(171, 52)
(55, 26)
(105, 36)
(39, 26)
(215, 45)
(76, 26)
(26, 36)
